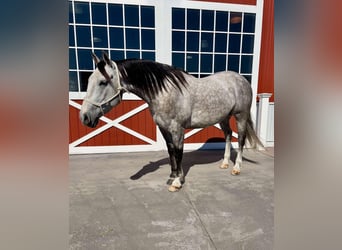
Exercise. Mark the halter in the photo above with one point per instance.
(106, 102)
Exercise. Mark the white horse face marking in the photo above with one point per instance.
(103, 93)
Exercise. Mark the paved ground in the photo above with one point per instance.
(120, 201)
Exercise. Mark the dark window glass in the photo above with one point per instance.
(195, 75)
(246, 64)
(249, 23)
(219, 63)
(178, 18)
(132, 15)
(208, 20)
(84, 76)
(178, 60)
(206, 63)
(248, 77)
(193, 17)
(235, 22)
(247, 43)
(116, 38)
(71, 19)
(133, 54)
(132, 38)
(117, 55)
(147, 16)
(178, 40)
(72, 59)
(71, 36)
(148, 56)
(207, 42)
(220, 42)
(73, 82)
(233, 63)
(98, 12)
(115, 14)
(192, 62)
(148, 39)
(192, 41)
(100, 38)
(234, 43)
(84, 59)
(83, 36)
(99, 52)
(204, 75)
(82, 13)
(221, 21)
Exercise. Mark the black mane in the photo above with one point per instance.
(149, 76)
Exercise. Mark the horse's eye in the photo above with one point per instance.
(104, 83)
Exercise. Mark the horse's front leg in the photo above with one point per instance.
(174, 141)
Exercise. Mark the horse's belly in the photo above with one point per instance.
(201, 119)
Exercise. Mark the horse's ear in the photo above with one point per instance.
(106, 59)
(95, 58)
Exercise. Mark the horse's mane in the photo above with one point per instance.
(150, 77)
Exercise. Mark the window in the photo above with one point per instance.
(122, 30)
(208, 41)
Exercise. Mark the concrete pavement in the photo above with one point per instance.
(120, 201)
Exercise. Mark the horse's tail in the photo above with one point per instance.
(251, 135)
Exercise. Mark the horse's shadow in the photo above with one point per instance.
(190, 159)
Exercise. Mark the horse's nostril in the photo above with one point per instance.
(85, 119)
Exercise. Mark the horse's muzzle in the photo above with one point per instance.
(86, 120)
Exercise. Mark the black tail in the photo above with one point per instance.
(251, 135)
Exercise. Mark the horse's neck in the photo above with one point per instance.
(131, 89)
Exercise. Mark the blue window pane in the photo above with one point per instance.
(147, 16)
(208, 20)
(233, 63)
(192, 62)
(149, 56)
(73, 82)
(148, 39)
(133, 54)
(219, 63)
(178, 60)
(100, 38)
(221, 21)
(99, 52)
(246, 64)
(71, 36)
(195, 75)
(84, 76)
(192, 41)
(178, 41)
(98, 12)
(72, 59)
(116, 55)
(206, 63)
(132, 15)
(204, 75)
(115, 14)
(178, 18)
(71, 19)
(83, 36)
(249, 23)
(207, 42)
(234, 43)
(220, 42)
(132, 38)
(82, 13)
(248, 77)
(193, 18)
(247, 43)
(116, 38)
(84, 59)
(235, 22)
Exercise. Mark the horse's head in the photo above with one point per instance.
(103, 91)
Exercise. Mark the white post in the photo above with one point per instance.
(264, 99)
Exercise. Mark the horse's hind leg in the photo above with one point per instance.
(228, 135)
(241, 120)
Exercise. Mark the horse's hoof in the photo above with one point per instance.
(224, 166)
(235, 172)
(169, 181)
(174, 188)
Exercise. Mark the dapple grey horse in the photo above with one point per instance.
(176, 100)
